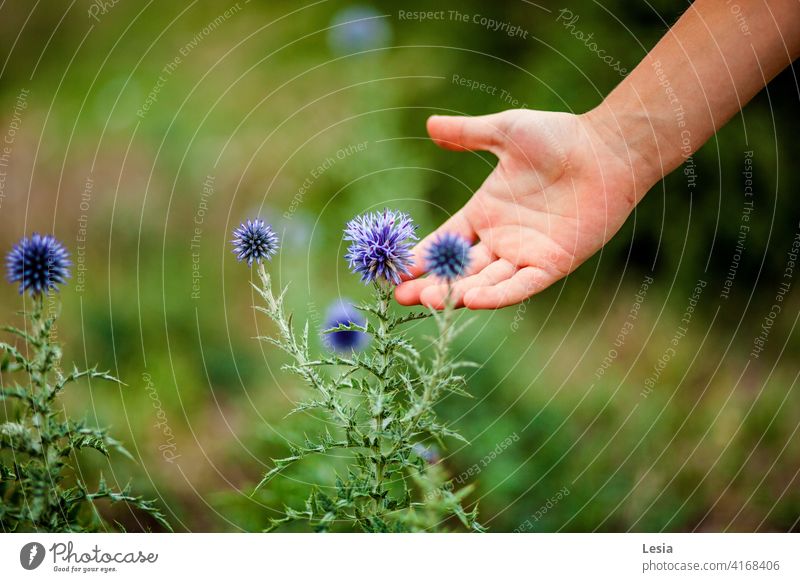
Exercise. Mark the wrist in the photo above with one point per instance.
(633, 137)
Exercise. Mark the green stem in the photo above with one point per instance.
(430, 388)
(385, 361)
(40, 420)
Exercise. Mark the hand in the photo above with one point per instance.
(562, 188)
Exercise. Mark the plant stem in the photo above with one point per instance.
(430, 387)
(385, 361)
(40, 418)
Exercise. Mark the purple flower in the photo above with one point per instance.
(358, 28)
(429, 454)
(342, 312)
(380, 245)
(254, 240)
(40, 263)
(448, 256)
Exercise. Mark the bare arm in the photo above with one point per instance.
(703, 71)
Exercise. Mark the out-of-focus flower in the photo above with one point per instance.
(447, 256)
(39, 263)
(358, 28)
(380, 245)
(254, 240)
(342, 312)
(428, 453)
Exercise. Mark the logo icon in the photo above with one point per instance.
(31, 555)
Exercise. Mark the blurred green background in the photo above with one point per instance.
(142, 133)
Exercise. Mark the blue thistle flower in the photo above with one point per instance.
(358, 28)
(40, 263)
(429, 454)
(342, 312)
(380, 245)
(254, 240)
(448, 256)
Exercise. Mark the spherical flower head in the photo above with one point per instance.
(39, 263)
(448, 256)
(358, 28)
(429, 454)
(342, 312)
(254, 240)
(380, 246)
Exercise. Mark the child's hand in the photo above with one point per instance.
(558, 194)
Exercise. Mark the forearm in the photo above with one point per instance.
(708, 66)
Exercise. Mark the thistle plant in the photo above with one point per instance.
(376, 391)
(40, 490)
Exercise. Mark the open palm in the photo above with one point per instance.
(558, 194)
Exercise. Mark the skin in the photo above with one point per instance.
(564, 184)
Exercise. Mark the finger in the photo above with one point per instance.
(480, 257)
(484, 132)
(456, 224)
(524, 283)
(408, 293)
(436, 295)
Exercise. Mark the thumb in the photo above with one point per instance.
(485, 132)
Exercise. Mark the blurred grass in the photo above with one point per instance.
(263, 101)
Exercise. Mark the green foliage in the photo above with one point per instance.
(39, 487)
(380, 404)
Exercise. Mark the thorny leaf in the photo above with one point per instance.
(42, 439)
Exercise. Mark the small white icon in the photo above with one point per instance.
(32, 555)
